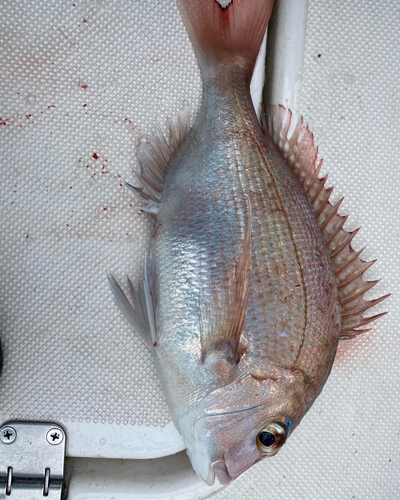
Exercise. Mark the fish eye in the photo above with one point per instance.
(271, 438)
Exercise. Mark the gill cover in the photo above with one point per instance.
(222, 432)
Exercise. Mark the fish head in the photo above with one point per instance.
(238, 425)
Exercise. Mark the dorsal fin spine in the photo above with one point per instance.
(302, 155)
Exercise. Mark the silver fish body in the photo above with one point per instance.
(251, 280)
(293, 312)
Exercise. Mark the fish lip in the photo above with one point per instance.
(221, 471)
(211, 477)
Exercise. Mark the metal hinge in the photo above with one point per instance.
(32, 458)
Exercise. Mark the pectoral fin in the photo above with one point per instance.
(227, 311)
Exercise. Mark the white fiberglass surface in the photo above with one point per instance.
(83, 82)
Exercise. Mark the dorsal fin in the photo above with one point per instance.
(302, 155)
(153, 159)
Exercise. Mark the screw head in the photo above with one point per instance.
(8, 435)
(55, 436)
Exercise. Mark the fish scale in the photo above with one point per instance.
(249, 266)
(203, 211)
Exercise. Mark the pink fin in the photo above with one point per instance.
(302, 154)
(153, 159)
(225, 32)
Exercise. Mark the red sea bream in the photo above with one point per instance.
(250, 279)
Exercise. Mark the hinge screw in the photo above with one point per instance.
(8, 435)
(55, 436)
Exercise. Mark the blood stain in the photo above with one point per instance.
(96, 156)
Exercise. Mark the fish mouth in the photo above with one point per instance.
(210, 479)
(221, 472)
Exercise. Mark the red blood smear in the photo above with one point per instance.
(155, 344)
(156, 230)
(105, 208)
(95, 156)
(85, 20)
(52, 106)
(70, 187)
(84, 86)
(28, 116)
(27, 236)
(2, 122)
(120, 184)
(84, 105)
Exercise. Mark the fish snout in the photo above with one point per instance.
(202, 467)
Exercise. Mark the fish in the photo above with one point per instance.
(250, 280)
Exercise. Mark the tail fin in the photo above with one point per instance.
(226, 32)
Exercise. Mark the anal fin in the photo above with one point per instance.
(153, 159)
(301, 154)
